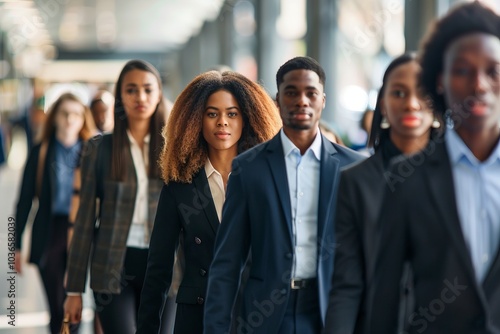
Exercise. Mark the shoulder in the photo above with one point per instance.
(254, 154)
(347, 155)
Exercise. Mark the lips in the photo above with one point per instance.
(301, 115)
(479, 109)
(411, 121)
(222, 134)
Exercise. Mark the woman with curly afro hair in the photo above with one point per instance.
(216, 117)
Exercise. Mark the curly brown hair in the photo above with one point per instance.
(185, 151)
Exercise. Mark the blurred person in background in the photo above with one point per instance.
(216, 117)
(48, 176)
(102, 106)
(442, 210)
(121, 173)
(402, 124)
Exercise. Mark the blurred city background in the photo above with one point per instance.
(51, 46)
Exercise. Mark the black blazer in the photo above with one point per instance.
(41, 229)
(186, 209)
(419, 222)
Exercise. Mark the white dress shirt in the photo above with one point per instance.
(137, 235)
(303, 173)
(217, 188)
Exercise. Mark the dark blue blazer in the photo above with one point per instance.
(257, 219)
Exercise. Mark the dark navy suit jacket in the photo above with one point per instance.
(257, 219)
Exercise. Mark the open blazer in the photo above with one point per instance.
(419, 222)
(257, 219)
(108, 238)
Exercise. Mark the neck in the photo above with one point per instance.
(139, 130)
(410, 145)
(221, 160)
(301, 138)
(67, 139)
(481, 143)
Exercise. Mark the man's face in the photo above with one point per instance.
(471, 81)
(301, 100)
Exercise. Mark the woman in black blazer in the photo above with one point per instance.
(217, 116)
(402, 124)
(48, 175)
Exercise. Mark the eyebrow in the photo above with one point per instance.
(295, 87)
(135, 85)
(232, 107)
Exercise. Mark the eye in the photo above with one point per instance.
(398, 93)
(149, 91)
(211, 114)
(290, 93)
(131, 90)
(232, 114)
(461, 71)
(312, 94)
(494, 72)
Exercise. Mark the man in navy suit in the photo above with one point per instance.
(279, 210)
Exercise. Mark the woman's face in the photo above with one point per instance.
(222, 122)
(471, 81)
(405, 110)
(70, 118)
(140, 94)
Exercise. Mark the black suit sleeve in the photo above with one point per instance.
(164, 242)
(348, 279)
(26, 194)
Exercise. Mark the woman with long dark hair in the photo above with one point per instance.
(121, 183)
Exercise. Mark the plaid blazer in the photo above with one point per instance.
(104, 242)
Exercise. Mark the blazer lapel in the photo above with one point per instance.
(202, 187)
(329, 171)
(277, 165)
(439, 178)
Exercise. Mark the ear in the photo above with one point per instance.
(324, 100)
(277, 101)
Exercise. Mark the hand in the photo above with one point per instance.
(73, 309)
(17, 262)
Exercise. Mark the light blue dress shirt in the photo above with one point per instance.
(477, 193)
(303, 173)
(66, 160)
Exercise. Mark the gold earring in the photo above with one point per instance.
(384, 124)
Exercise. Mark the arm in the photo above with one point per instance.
(79, 251)
(232, 245)
(164, 241)
(75, 203)
(348, 283)
(26, 195)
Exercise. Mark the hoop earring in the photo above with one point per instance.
(384, 124)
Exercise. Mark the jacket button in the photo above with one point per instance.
(288, 255)
(197, 240)
(203, 272)
(200, 300)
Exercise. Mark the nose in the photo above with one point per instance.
(141, 95)
(222, 121)
(480, 83)
(302, 100)
(414, 103)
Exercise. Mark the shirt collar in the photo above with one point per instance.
(209, 169)
(132, 139)
(457, 150)
(289, 146)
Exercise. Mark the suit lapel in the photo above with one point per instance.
(439, 178)
(277, 165)
(205, 195)
(329, 170)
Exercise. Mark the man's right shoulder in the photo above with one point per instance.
(252, 155)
